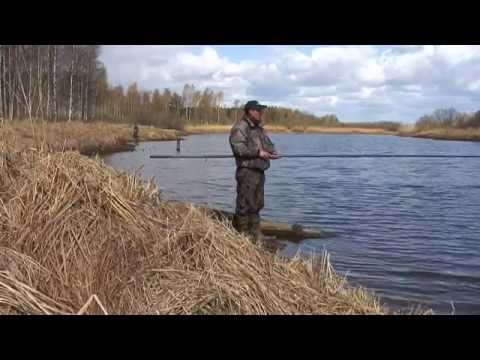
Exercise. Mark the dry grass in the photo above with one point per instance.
(207, 129)
(212, 129)
(87, 138)
(445, 134)
(79, 237)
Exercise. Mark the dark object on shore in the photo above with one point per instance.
(135, 133)
(297, 228)
(178, 145)
(293, 233)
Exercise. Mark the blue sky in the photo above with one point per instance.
(245, 52)
(357, 83)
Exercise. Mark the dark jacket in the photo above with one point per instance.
(246, 140)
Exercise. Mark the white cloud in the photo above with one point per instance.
(333, 100)
(355, 82)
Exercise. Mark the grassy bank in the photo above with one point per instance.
(406, 131)
(79, 237)
(212, 129)
(87, 138)
(74, 230)
(445, 134)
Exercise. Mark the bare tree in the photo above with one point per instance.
(47, 110)
(2, 114)
(39, 83)
(55, 100)
(236, 105)
(70, 106)
(188, 92)
(219, 102)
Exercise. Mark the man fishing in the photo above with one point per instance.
(252, 150)
(135, 132)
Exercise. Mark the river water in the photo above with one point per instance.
(407, 229)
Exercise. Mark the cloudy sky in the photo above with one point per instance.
(358, 83)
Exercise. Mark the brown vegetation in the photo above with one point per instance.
(446, 134)
(447, 124)
(73, 230)
(79, 237)
(211, 129)
(87, 138)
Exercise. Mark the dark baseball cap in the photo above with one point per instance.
(254, 105)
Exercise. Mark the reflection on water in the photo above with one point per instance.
(406, 228)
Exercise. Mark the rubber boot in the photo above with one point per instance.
(254, 229)
(240, 223)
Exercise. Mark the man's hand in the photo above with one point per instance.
(262, 154)
(274, 156)
(265, 155)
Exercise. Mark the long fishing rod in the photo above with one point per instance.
(317, 156)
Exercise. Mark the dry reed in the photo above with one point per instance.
(87, 138)
(77, 237)
(445, 134)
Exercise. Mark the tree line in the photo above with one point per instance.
(69, 82)
(195, 107)
(448, 118)
(49, 82)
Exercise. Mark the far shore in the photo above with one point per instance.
(106, 138)
(87, 138)
(445, 134)
(435, 134)
(221, 129)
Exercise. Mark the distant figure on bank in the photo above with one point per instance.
(178, 145)
(135, 132)
(253, 151)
